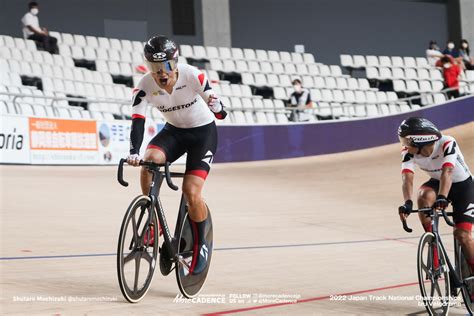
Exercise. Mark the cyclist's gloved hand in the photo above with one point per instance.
(216, 107)
(405, 209)
(133, 159)
(441, 202)
(214, 103)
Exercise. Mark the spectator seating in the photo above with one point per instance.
(409, 75)
(41, 81)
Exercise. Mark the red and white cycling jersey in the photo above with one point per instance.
(185, 107)
(446, 153)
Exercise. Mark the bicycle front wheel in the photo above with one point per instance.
(433, 276)
(137, 249)
(464, 272)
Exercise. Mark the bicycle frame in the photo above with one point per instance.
(155, 200)
(440, 246)
(434, 215)
(154, 192)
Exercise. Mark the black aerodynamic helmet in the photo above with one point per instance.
(418, 132)
(161, 53)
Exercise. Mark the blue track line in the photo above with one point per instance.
(219, 249)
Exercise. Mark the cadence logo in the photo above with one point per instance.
(14, 140)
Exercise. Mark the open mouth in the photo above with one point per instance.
(163, 81)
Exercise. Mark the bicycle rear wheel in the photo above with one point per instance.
(136, 260)
(464, 272)
(190, 284)
(433, 277)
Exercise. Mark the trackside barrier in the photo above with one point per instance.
(34, 140)
(250, 143)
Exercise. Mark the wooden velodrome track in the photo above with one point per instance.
(313, 227)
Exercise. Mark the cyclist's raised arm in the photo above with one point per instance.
(139, 103)
(203, 87)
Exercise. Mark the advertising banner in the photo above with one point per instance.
(14, 140)
(114, 139)
(58, 141)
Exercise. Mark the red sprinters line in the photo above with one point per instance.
(319, 298)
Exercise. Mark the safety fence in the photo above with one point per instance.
(38, 140)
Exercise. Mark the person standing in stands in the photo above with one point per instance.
(33, 31)
(300, 99)
(451, 72)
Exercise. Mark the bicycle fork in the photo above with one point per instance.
(170, 242)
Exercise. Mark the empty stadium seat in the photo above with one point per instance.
(199, 52)
(358, 61)
(397, 61)
(398, 73)
(385, 73)
(225, 53)
(281, 118)
(261, 118)
(249, 54)
(211, 52)
(410, 73)
(399, 85)
(238, 117)
(237, 53)
(439, 98)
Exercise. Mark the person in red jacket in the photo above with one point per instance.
(451, 72)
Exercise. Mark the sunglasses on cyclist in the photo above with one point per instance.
(162, 66)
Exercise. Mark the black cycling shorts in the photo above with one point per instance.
(461, 197)
(200, 144)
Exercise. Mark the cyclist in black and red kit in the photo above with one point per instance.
(450, 179)
(189, 105)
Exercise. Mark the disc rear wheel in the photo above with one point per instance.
(191, 284)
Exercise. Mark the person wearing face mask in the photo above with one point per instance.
(432, 53)
(33, 31)
(451, 72)
(300, 98)
(451, 50)
(464, 53)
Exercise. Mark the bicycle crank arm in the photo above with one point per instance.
(184, 263)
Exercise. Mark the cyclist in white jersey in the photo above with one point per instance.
(450, 179)
(189, 105)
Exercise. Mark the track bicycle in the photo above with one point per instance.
(440, 282)
(138, 246)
